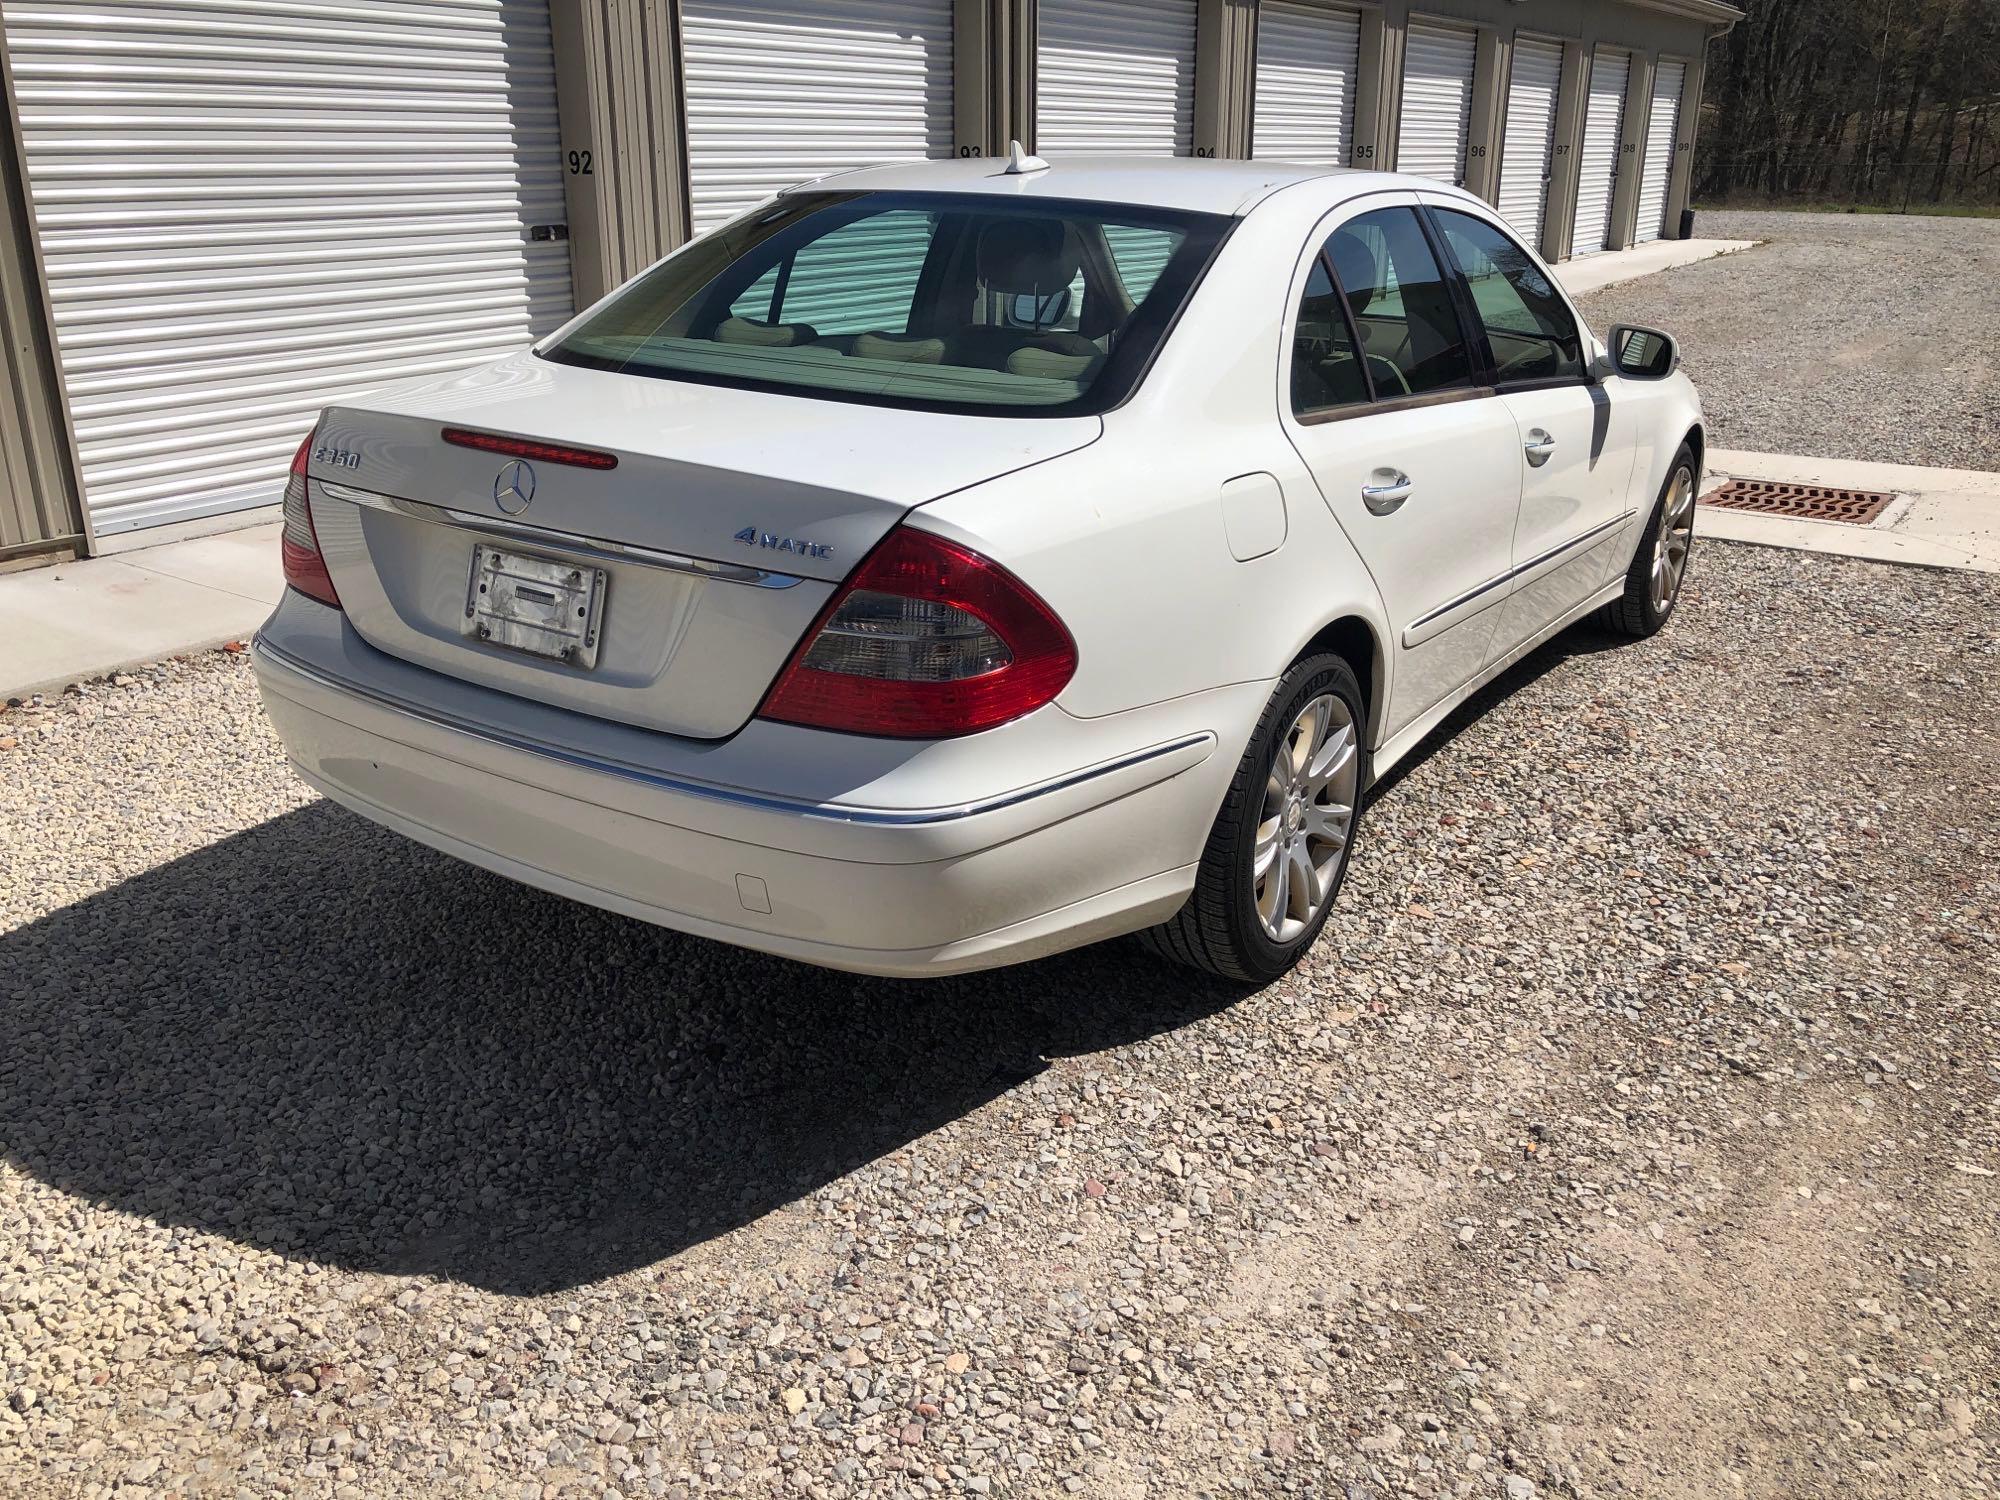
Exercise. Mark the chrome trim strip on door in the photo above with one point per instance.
(1436, 622)
(828, 811)
(1417, 631)
(543, 536)
(1572, 544)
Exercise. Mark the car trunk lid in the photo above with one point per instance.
(702, 555)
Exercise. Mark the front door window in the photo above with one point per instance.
(1528, 325)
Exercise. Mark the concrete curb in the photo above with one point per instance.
(1942, 518)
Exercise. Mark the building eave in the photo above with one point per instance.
(1715, 13)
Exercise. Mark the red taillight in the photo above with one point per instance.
(305, 569)
(513, 447)
(927, 640)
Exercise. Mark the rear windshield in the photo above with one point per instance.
(945, 302)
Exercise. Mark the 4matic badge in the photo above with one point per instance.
(750, 536)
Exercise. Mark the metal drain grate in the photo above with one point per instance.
(1806, 502)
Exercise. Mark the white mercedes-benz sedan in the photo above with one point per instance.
(944, 565)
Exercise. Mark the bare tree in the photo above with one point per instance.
(1864, 102)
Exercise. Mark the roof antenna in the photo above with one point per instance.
(1019, 163)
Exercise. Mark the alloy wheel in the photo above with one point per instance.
(1307, 817)
(1673, 542)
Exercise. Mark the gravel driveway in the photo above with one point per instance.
(1632, 1132)
(1863, 336)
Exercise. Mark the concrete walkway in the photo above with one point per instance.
(76, 620)
(1942, 518)
(1595, 272)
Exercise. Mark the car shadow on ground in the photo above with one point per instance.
(318, 1038)
(1578, 640)
(321, 1039)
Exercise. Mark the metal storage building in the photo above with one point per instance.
(222, 214)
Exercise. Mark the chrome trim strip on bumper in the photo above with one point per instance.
(542, 536)
(826, 811)
(1414, 634)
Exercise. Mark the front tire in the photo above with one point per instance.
(1278, 853)
(1660, 565)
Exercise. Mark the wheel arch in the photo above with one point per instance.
(1359, 642)
(1697, 439)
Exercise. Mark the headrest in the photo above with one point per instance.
(1026, 255)
(903, 348)
(765, 335)
(1356, 266)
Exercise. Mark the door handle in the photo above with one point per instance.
(1539, 446)
(1386, 495)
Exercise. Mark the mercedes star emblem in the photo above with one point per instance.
(514, 486)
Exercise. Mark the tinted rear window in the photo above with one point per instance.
(951, 302)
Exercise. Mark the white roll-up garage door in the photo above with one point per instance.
(1662, 128)
(252, 209)
(1528, 146)
(1115, 76)
(1597, 172)
(1437, 101)
(782, 91)
(1308, 57)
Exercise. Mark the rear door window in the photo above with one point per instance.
(1411, 341)
(1326, 367)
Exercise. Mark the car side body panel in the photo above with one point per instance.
(1192, 551)
(1127, 539)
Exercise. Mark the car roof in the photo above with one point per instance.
(1199, 185)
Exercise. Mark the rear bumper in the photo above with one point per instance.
(875, 857)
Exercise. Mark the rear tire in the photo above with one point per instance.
(1660, 565)
(1278, 853)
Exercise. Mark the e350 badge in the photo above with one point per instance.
(750, 536)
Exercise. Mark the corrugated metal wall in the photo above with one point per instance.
(1527, 146)
(1662, 128)
(1603, 130)
(252, 208)
(620, 96)
(39, 507)
(1308, 63)
(1436, 118)
(168, 87)
(1115, 76)
(779, 91)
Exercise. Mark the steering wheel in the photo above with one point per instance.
(1524, 363)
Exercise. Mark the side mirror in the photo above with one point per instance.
(1643, 353)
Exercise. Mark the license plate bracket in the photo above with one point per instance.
(549, 607)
